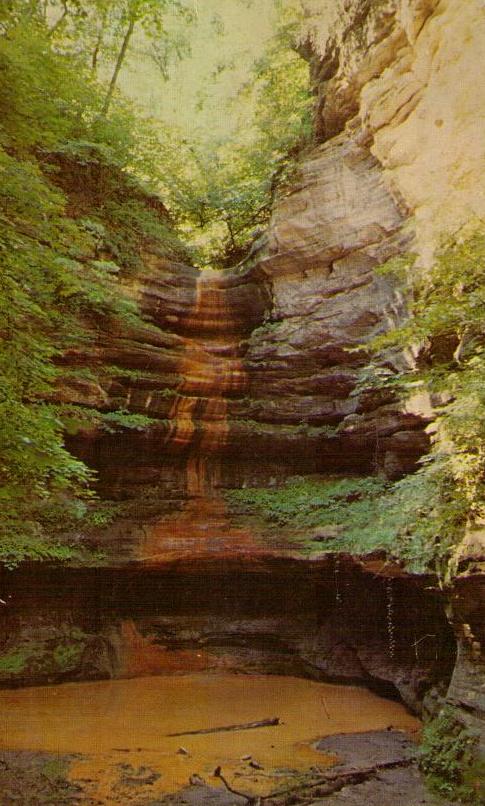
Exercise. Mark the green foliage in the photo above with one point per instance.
(113, 421)
(55, 770)
(25, 542)
(61, 270)
(302, 428)
(370, 513)
(12, 663)
(113, 371)
(102, 513)
(57, 653)
(304, 502)
(37, 286)
(448, 759)
(41, 94)
(67, 656)
(222, 191)
(446, 334)
(78, 418)
(130, 226)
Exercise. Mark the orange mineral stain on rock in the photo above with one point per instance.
(212, 371)
(121, 729)
(139, 656)
(201, 531)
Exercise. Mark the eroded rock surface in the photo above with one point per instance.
(251, 375)
(327, 620)
(407, 69)
(256, 374)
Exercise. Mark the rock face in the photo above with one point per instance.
(407, 70)
(327, 235)
(251, 376)
(467, 687)
(399, 77)
(260, 373)
(248, 377)
(239, 615)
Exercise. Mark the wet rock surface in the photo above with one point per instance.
(467, 686)
(363, 750)
(202, 795)
(372, 767)
(240, 615)
(395, 779)
(397, 787)
(36, 778)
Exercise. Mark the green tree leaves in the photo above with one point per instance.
(446, 333)
(61, 270)
(222, 191)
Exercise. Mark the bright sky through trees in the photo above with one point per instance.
(225, 41)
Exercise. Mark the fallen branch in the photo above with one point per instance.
(251, 799)
(263, 723)
(331, 781)
(337, 780)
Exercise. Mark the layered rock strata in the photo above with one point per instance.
(259, 373)
(232, 614)
(328, 233)
(400, 78)
(262, 365)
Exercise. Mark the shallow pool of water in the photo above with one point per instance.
(121, 726)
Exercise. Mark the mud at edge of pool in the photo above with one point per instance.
(370, 767)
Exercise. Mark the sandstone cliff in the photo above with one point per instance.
(399, 165)
(256, 374)
(410, 72)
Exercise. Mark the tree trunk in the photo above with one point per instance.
(118, 66)
(61, 19)
(227, 221)
(99, 43)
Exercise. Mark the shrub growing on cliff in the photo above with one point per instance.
(367, 514)
(448, 759)
(446, 333)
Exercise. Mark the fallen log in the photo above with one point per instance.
(326, 784)
(262, 723)
(337, 780)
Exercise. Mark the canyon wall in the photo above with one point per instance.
(401, 77)
(259, 616)
(409, 71)
(399, 165)
(263, 374)
(258, 368)
(260, 373)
